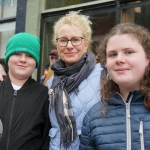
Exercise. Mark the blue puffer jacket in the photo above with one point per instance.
(126, 126)
(88, 95)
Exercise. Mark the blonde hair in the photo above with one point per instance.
(74, 18)
(142, 35)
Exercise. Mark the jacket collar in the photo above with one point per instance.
(118, 100)
(25, 85)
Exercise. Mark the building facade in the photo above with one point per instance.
(38, 16)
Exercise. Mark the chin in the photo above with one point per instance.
(70, 63)
(123, 83)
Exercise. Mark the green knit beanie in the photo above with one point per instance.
(23, 42)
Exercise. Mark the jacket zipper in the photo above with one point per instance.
(128, 126)
(128, 123)
(11, 117)
(141, 135)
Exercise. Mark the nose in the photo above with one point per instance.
(69, 45)
(23, 58)
(120, 58)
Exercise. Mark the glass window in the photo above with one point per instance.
(6, 31)
(102, 21)
(9, 9)
(62, 3)
(47, 44)
(139, 15)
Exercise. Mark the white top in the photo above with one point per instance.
(16, 87)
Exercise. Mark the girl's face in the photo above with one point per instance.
(126, 61)
(70, 54)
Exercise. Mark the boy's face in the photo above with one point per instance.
(21, 65)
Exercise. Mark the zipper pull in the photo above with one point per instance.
(15, 93)
(141, 135)
(141, 128)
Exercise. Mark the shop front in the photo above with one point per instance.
(38, 17)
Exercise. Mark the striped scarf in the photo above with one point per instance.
(67, 80)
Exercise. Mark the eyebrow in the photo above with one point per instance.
(128, 48)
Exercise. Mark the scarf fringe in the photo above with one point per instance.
(68, 136)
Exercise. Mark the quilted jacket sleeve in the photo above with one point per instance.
(86, 142)
(49, 82)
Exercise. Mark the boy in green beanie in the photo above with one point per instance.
(24, 120)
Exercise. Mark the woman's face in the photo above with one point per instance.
(70, 54)
(126, 61)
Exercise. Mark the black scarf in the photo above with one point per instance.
(66, 80)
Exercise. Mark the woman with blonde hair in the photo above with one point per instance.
(74, 88)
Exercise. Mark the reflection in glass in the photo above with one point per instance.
(6, 31)
(7, 11)
(102, 21)
(139, 15)
(47, 37)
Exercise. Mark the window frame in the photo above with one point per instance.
(20, 18)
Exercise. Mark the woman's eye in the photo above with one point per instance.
(75, 40)
(63, 40)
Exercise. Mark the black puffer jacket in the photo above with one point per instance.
(24, 116)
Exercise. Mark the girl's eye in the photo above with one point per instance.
(129, 52)
(112, 55)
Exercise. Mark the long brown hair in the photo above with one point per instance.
(142, 35)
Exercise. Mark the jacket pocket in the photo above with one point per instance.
(54, 139)
(53, 132)
(141, 135)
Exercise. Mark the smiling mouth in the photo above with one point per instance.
(70, 54)
(122, 69)
(22, 66)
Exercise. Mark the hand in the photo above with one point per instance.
(2, 73)
(2, 77)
